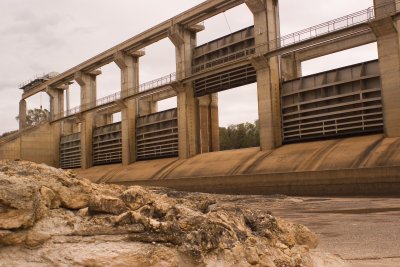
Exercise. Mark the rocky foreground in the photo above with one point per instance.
(48, 217)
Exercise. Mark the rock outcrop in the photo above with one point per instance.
(48, 217)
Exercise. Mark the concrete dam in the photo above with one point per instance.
(332, 133)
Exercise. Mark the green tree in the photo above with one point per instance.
(35, 116)
(239, 136)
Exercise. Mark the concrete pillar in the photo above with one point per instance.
(209, 123)
(129, 65)
(56, 107)
(388, 40)
(205, 123)
(188, 119)
(147, 107)
(56, 100)
(22, 114)
(87, 82)
(290, 67)
(266, 28)
(214, 123)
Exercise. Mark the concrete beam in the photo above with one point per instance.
(160, 95)
(110, 110)
(334, 46)
(255, 6)
(333, 36)
(137, 95)
(187, 19)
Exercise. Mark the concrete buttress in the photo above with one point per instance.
(188, 119)
(266, 28)
(388, 39)
(56, 106)
(129, 65)
(87, 82)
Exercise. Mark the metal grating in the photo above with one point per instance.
(157, 135)
(107, 144)
(228, 48)
(225, 80)
(341, 102)
(70, 151)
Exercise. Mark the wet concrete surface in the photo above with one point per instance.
(363, 231)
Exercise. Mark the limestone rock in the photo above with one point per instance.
(73, 200)
(48, 217)
(106, 204)
(49, 197)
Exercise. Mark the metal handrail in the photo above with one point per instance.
(165, 80)
(353, 19)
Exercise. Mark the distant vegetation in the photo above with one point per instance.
(33, 117)
(36, 116)
(239, 136)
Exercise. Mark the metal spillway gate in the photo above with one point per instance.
(157, 135)
(70, 151)
(345, 101)
(107, 144)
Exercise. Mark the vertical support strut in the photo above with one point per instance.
(266, 28)
(388, 39)
(188, 118)
(129, 66)
(87, 82)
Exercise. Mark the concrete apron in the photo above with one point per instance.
(378, 181)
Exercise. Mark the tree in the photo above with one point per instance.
(239, 136)
(35, 116)
(8, 133)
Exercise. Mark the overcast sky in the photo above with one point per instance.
(40, 36)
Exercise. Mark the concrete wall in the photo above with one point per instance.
(373, 151)
(11, 149)
(37, 145)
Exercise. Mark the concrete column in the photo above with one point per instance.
(129, 65)
(290, 67)
(214, 122)
(188, 119)
(56, 100)
(56, 106)
(205, 123)
(388, 39)
(266, 28)
(22, 114)
(87, 82)
(209, 123)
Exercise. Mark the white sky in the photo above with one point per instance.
(40, 36)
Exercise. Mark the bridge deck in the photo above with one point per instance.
(241, 48)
